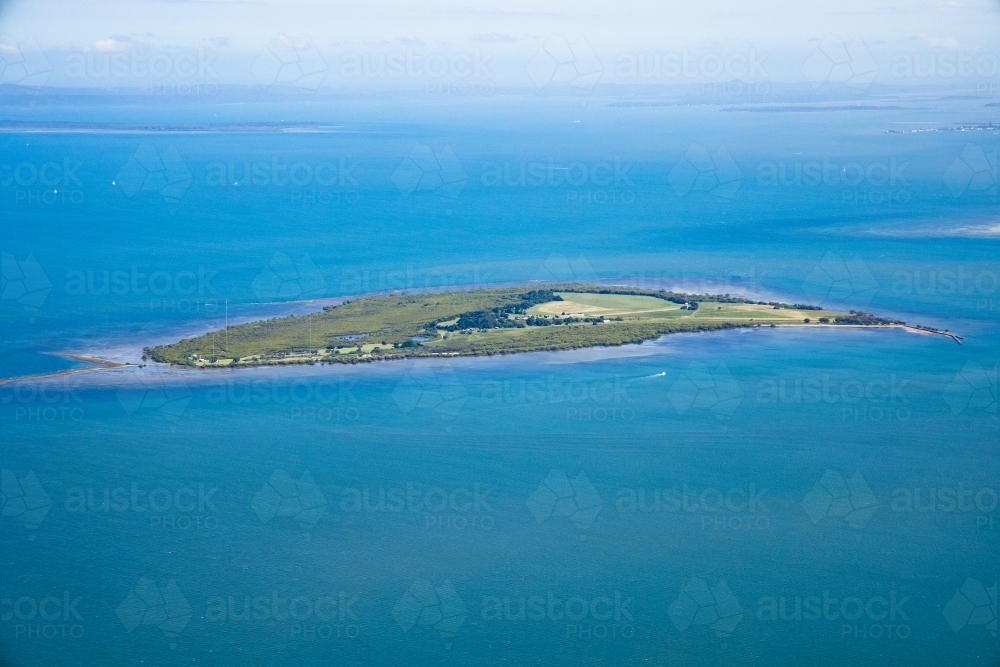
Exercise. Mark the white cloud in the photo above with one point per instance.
(112, 44)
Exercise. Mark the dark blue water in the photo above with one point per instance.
(730, 498)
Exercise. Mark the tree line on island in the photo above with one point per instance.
(497, 317)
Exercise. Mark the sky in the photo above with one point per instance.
(515, 43)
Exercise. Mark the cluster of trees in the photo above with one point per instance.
(788, 306)
(482, 319)
(863, 318)
(535, 297)
(543, 322)
(674, 298)
(497, 318)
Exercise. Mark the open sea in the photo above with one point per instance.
(763, 497)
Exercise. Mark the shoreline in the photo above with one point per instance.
(98, 364)
(368, 358)
(102, 364)
(927, 331)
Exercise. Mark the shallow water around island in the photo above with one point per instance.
(781, 495)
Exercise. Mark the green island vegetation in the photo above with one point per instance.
(487, 321)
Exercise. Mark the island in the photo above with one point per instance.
(486, 321)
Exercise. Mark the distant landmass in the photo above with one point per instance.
(826, 107)
(69, 127)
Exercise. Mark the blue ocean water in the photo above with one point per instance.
(728, 498)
